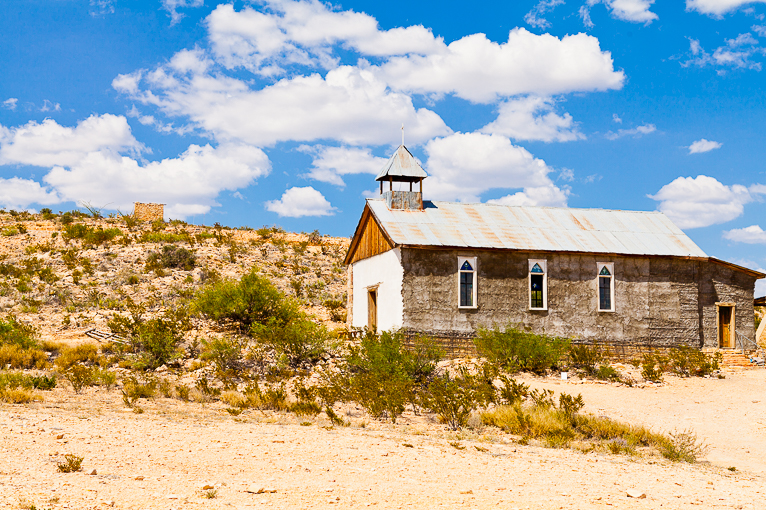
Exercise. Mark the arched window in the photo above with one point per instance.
(538, 284)
(605, 286)
(466, 282)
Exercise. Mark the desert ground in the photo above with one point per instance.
(196, 454)
(176, 454)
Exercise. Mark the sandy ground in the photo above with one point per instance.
(162, 459)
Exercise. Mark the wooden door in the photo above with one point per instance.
(372, 309)
(724, 326)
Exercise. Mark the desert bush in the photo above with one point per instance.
(89, 235)
(252, 300)
(83, 353)
(79, 376)
(453, 399)
(306, 401)
(683, 447)
(337, 307)
(17, 396)
(275, 398)
(511, 392)
(72, 463)
(171, 257)
(585, 357)
(300, 340)
(513, 349)
(156, 341)
(226, 355)
(688, 361)
(652, 367)
(381, 375)
(15, 332)
(166, 237)
(17, 357)
(607, 373)
(19, 380)
(134, 389)
(557, 427)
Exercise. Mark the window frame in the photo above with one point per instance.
(474, 294)
(610, 267)
(543, 263)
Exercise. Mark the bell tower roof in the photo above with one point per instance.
(402, 167)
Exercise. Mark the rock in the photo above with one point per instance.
(139, 478)
(635, 493)
(93, 472)
(163, 368)
(60, 436)
(207, 486)
(259, 489)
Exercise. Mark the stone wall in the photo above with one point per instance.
(659, 302)
(148, 212)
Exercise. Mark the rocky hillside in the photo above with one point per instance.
(69, 273)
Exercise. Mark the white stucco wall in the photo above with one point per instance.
(385, 271)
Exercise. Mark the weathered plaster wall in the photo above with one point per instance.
(721, 284)
(384, 271)
(658, 301)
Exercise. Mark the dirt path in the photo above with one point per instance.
(161, 459)
(729, 414)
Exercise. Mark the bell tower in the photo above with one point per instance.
(402, 167)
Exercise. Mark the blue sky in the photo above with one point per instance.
(281, 112)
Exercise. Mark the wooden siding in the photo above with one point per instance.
(369, 239)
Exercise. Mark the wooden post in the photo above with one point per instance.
(381, 187)
(390, 183)
(421, 193)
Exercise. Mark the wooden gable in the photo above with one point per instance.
(369, 239)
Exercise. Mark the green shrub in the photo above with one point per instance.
(607, 373)
(683, 447)
(89, 235)
(79, 376)
(252, 300)
(652, 367)
(382, 376)
(18, 357)
(83, 353)
(134, 389)
(15, 332)
(226, 356)
(512, 392)
(300, 340)
(688, 361)
(306, 401)
(14, 380)
(585, 357)
(454, 399)
(171, 257)
(512, 349)
(72, 463)
(156, 341)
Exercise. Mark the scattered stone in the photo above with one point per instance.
(635, 493)
(469, 491)
(259, 489)
(172, 496)
(139, 478)
(60, 436)
(207, 486)
(93, 472)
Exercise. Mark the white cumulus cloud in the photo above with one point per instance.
(349, 104)
(10, 103)
(481, 70)
(703, 145)
(533, 118)
(693, 202)
(737, 53)
(330, 164)
(49, 143)
(465, 165)
(717, 8)
(636, 11)
(535, 17)
(172, 7)
(753, 234)
(644, 129)
(298, 202)
(17, 193)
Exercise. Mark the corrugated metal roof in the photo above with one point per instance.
(402, 165)
(535, 229)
